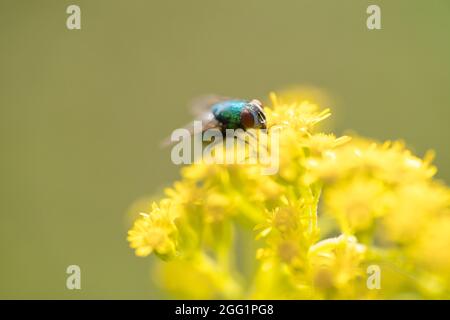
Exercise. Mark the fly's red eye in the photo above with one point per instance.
(247, 120)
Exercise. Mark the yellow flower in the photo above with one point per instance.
(301, 116)
(390, 162)
(321, 143)
(356, 203)
(155, 232)
(336, 262)
(413, 206)
(365, 182)
(432, 248)
(289, 231)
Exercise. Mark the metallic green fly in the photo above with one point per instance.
(227, 113)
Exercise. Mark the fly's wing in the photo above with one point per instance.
(208, 122)
(200, 108)
(202, 104)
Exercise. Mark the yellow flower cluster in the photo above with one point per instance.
(156, 231)
(336, 208)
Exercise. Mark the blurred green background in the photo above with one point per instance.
(82, 112)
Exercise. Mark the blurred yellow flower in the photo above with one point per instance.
(356, 203)
(335, 264)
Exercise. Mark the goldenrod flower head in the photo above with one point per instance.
(231, 232)
(301, 116)
(155, 231)
(431, 248)
(356, 202)
(390, 162)
(413, 207)
(336, 262)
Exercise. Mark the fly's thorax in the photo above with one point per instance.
(228, 113)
